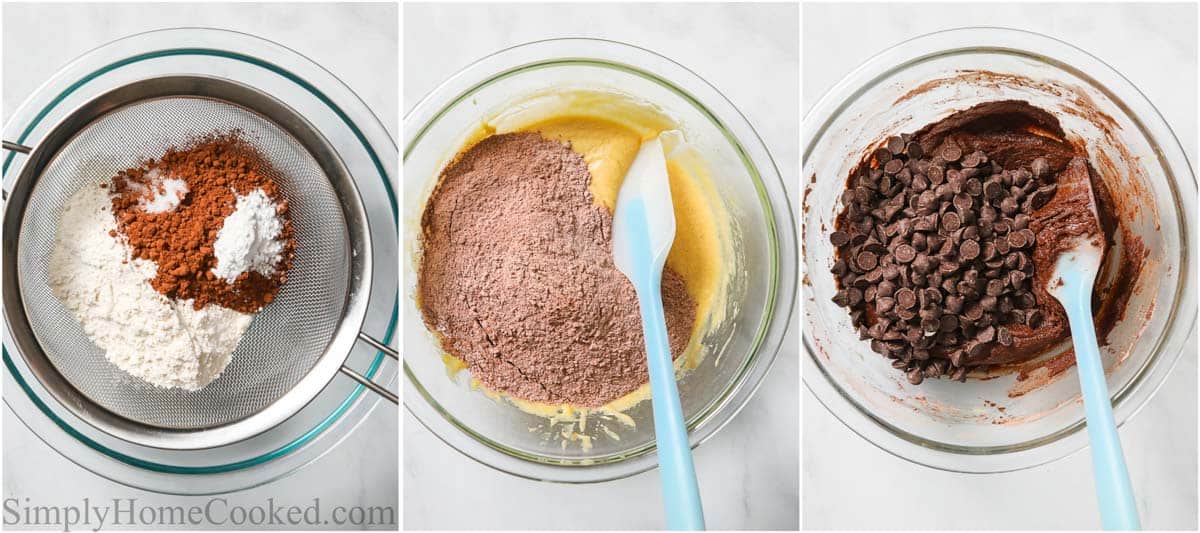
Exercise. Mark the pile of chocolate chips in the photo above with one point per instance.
(934, 255)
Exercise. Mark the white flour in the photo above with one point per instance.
(166, 343)
(248, 240)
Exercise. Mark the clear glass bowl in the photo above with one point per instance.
(986, 425)
(363, 145)
(761, 293)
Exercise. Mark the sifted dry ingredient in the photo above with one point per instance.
(216, 171)
(517, 277)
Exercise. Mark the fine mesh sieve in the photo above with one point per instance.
(293, 347)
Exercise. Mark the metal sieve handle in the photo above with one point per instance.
(17, 147)
(366, 382)
(14, 147)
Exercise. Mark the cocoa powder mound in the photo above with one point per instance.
(216, 168)
(518, 280)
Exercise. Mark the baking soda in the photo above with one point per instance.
(165, 194)
(249, 238)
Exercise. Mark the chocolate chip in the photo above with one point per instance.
(893, 166)
(867, 260)
(839, 238)
(883, 304)
(920, 183)
(930, 325)
(1018, 239)
(973, 187)
(1034, 318)
(986, 335)
(973, 313)
(969, 250)
(950, 221)
(963, 202)
(989, 250)
(992, 189)
(971, 232)
(905, 253)
(874, 275)
(1021, 221)
(895, 145)
(954, 304)
(946, 266)
(974, 159)
(936, 175)
(977, 350)
(1004, 337)
(948, 323)
(854, 296)
(839, 268)
(887, 288)
(914, 150)
(1016, 278)
(906, 298)
(915, 377)
(842, 298)
(995, 287)
(882, 156)
(1040, 167)
(1029, 236)
(927, 202)
(1009, 206)
(1043, 195)
(923, 264)
(950, 153)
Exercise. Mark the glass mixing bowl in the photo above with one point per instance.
(1000, 423)
(761, 291)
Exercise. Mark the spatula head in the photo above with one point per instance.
(644, 219)
(1082, 256)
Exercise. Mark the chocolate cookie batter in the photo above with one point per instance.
(517, 277)
(1016, 135)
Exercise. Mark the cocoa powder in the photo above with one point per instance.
(518, 280)
(216, 168)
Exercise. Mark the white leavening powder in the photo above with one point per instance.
(249, 238)
(165, 193)
(166, 343)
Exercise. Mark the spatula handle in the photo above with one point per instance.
(1118, 510)
(681, 495)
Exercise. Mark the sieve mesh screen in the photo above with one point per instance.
(285, 340)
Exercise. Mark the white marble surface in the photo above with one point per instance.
(748, 473)
(850, 484)
(38, 40)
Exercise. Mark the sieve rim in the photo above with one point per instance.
(359, 266)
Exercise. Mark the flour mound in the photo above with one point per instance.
(168, 344)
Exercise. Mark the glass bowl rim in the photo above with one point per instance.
(1135, 394)
(741, 135)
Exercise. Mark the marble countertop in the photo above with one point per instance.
(362, 471)
(1154, 45)
(748, 473)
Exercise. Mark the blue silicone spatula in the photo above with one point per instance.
(643, 230)
(1071, 283)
